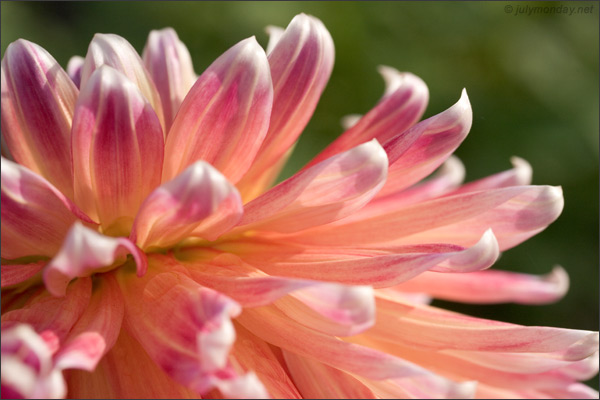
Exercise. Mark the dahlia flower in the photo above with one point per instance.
(145, 253)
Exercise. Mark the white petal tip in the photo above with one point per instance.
(523, 170)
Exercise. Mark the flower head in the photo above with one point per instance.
(145, 253)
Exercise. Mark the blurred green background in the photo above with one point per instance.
(532, 81)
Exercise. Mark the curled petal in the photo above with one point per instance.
(519, 175)
(323, 193)
(117, 149)
(170, 65)
(13, 274)
(38, 100)
(74, 69)
(35, 215)
(438, 137)
(27, 368)
(192, 344)
(116, 52)
(86, 252)
(300, 63)
(96, 331)
(401, 106)
(199, 202)
(275, 34)
(225, 116)
(492, 286)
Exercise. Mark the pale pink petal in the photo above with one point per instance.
(582, 370)
(275, 33)
(348, 121)
(387, 269)
(573, 391)
(439, 136)
(420, 388)
(117, 376)
(86, 252)
(514, 213)
(27, 370)
(519, 175)
(323, 193)
(492, 286)
(35, 215)
(300, 64)
(38, 100)
(97, 330)
(254, 354)
(247, 386)
(74, 67)
(225, 116)
(117, 150)
(17, 273)
(401, 106)
(170, 65)
(192, 344)
(199, 202)
(274, 327)
(48, 313)
(429, 328)
(316, 380)
(116, 52)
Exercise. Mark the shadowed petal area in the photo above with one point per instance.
(199, 202)
(35, 215)
(170, 65)
(117, 150)
(86, 252)
(74, 67)
(401, 106)
(27, 368)
(116, 52)
(492, 286)
(38, 100)
(301, 60)
(225, 116)
(13, 274)
(323, 193)
(192, 344)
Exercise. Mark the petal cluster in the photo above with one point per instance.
(147, 254)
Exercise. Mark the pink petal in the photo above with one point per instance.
(300, 63)
(426, 327)
(323, 193)
(254, 354)
(48, 313)
(316, 380)
(247, 386)
(199, 202)
(439, 136)
(97, 330)
(13, 274)
(74, 68)
(86, 252)
(35, 215)
(372, 268)
(490, 287)
(116, 52)
(192, 344)
(514, 213)
(275, 34)
(274, 327)
(117, 150)
(225, 116)
(401, 106)
(27, 370)
(113, 377)
(170, 65)
(38, 99)
(519, 175)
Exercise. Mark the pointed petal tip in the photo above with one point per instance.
(523, 170)
(394, 79)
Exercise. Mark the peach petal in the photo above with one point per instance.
(117, 149)
(225, 116)
(116, 52)
(323, 193)
(38, 101)
(300, 63)
(401, 106)
(86, 252)
(169, 64)
(492, 286)
(199, 202)
(96, 331)
(13, 274)
(74, 67)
